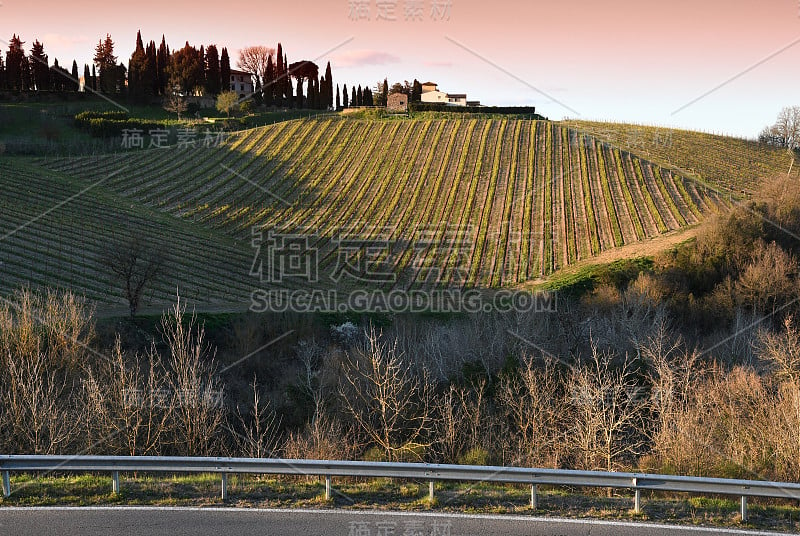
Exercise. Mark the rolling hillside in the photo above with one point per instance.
(476, 202)
(726, 163)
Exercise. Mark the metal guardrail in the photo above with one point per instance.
(417, 471)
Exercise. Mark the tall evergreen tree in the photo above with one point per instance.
(287, 80)
(280, 75)
(162, 64)
(186, 69)
(338, 99)
(106, 63)
(40, 67)
(75, 82)
(201, 56)
(354, 98)
(15, 64)
(225, 70)
(385, 93)
(416, 91)
(139, 86)
(328, 100)
(360, 96)
(269, 83)
(345, 97)
(213, 80)
(150, 74)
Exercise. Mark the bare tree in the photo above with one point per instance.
(786, 131)
(40, 412)
(128, 407)
(787, 126)
(43, 347)
(530, 402)
(136, 264)
(199, 413)
(608, 411)
(257, 436)
(253, 60)
(390, 403)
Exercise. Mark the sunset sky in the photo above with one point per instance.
(624, 60)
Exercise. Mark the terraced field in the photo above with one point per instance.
(731, 164)
(459, 202)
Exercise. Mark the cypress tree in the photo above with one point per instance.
(162, 62)
(360, 96)
(280, 74)
(353, 99)
(75, 83)
(338, 99)
(213, 76)
(345, 98)
(328, 100)
(87, 78)
(416, 91)
(269, 83)
(287, 79)
(201, 73)
(138, 84)
(225, 71)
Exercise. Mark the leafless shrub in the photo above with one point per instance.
(129, 407)
(530, 402)
(199, 413)
(389, 401)
(40, 413)
(256, 435)
(768, 281)
(462, 420)
(608, 411)
(323, 439)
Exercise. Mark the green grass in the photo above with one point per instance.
(394, 494)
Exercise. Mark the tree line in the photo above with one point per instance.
(154, 72)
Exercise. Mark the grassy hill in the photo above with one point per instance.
(732, 164)
(470, 201)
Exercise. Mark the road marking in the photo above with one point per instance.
(390, 513)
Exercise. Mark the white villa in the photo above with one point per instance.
(242, 83)
(431, 94)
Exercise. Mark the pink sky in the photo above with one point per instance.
(623, 60)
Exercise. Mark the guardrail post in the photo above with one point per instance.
(534, 497)
(115, 482)
(224, 486)
(637, 498)
(328, 488)
(430, 490)
(744, 509)
(6, 484)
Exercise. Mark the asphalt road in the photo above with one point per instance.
(146, 521)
